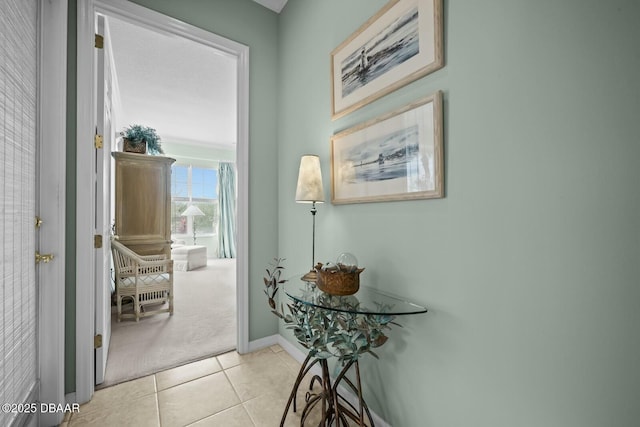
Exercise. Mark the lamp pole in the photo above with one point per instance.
(313, 236)
(191, 212)
(309, 190)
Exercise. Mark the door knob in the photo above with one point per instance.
(43, 257)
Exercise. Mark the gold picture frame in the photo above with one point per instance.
(398, 156)
(399, 44)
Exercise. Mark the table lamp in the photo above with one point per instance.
(309, 190)
(192, 211)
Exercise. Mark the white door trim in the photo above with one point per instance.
(85, 192)
(85, 304)
(52, 154)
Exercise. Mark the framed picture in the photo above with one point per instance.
(395, 157)
(398, 45)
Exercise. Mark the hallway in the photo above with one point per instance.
(230, 390)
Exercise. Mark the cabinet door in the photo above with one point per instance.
(143, 201)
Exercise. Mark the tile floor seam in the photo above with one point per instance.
(155, 384)
(109, 408)
(239, 405)
(254, 422)
(192, 381)
(224, 371)
(187, 382)
(214, 358)
(205, 417)
(256, 418)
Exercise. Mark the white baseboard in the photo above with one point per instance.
(293, 351)
(263, 343)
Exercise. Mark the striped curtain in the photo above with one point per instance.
(227, 203)
(18, 116)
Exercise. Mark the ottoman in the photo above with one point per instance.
(187, 258)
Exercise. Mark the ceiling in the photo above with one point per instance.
(186, 91)
(183, 89)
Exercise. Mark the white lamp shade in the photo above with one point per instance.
(309, 188)
(192, 210)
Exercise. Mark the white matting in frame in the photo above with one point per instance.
(398, 45)
(398, 156)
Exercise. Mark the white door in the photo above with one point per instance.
(105, 133)
(18, 154)
(51, 189)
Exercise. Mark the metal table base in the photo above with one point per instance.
(335, 407)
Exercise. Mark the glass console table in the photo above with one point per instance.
(344, 327)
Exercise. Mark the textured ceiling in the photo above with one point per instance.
(184, 90)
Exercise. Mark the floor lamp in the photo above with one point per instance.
(309, 190)
(192, 211)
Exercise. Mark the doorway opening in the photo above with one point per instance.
(186, 92)
(160, 26)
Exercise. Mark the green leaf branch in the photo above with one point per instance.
(327, 333)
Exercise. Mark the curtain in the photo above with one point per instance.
(227, 204)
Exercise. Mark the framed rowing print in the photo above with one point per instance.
(394, 157)
(398, 45)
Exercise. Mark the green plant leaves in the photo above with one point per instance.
(138, 134)
(328, 333)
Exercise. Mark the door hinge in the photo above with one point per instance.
(97, 241)
(97, 141)
(43, 258)
(99, 42)
(97, 341)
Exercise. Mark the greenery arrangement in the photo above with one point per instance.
(138, 134)
(327, 333)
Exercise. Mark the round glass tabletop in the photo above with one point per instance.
(365, 301)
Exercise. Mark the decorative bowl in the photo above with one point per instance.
(336, 281)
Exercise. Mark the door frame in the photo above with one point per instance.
(86, 101)
(52, 106)
(104, 126)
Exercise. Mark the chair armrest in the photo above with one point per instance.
(153, 257)
(128, 263)
(159, 266)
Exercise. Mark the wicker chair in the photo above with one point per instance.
(144, 279)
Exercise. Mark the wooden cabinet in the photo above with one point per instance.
(143, 202)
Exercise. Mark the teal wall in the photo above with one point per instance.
(530, 263)
(248, 23)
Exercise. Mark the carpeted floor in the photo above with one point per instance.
(203, 325)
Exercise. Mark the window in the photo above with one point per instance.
(197, 186)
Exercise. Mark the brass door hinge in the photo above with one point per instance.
(43, 258)
(97, 241)
(97, 141)
(97, 341)
(99, 42)
(38, 222)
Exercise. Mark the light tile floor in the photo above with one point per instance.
(230, 390)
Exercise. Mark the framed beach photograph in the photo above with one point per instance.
(398, 45)
(394, 157)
